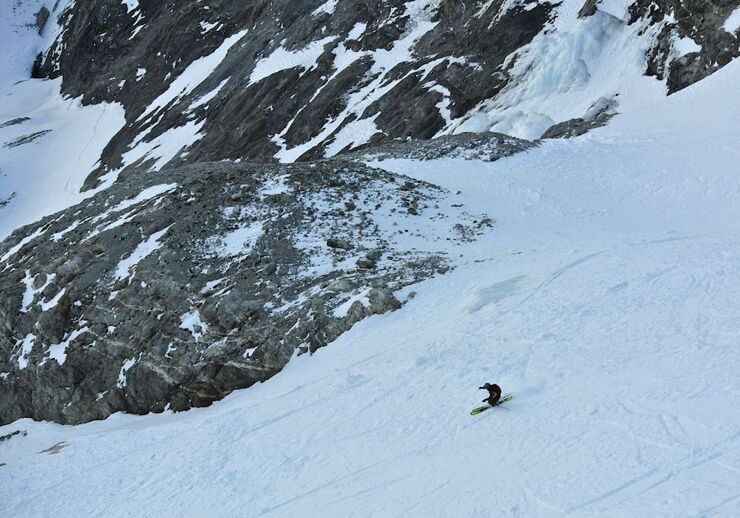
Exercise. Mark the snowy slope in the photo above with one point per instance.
(49, 143)
(20, 39)
(45, 158)
(605, 300)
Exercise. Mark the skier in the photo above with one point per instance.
(494, 393)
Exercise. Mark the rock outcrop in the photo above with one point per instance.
(172, 290)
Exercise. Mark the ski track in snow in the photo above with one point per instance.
(605, 301)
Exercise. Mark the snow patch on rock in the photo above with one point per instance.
(145, 248)
(192, 322)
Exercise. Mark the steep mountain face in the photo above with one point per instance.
(697, 21)
(201, 262)
(288, 80)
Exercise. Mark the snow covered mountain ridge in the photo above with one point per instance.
(149, 83)
(289, 80)
(604, 300)
(126, 90)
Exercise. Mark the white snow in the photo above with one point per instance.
(348, 127)
(23, 242)
(166, 146)
(616, 8)
(209, 96)
(20, 39)
(212, 284)
(207, 27)
(732, 23)
(46, 306)
(65, 138)
(282, 59)
(563, 71)
(327, 8)
(28, 293)
(26, 346)
(192, 322)
(275, 186)
(59, 235)
(119, 219)
(361, 297)
(239, 241)
(140, 73)
(54, 166)
(685, 45)
(605, 301)
(444, 103)
(122, 381)
(144, 249)
(131, 5)
(353, 134)
(138, 28)
(357, 31)
(170, 349)
(58, 352)
(197, 72)
(145, 195)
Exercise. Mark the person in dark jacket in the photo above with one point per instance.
(494, 393)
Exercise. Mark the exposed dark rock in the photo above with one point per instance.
(598, 115)
(366, 264)
(13, 122)
(461, 60)
(481, 146)
(374, 255)
(21, 433)
(26, 139)
(700, 20)
(219, 272)
(461, 53)
(53, 450)
(588, 9)
(339, 243)
(4, 202)
(172, 291)
(42, 16)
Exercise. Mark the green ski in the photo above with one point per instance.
(480, 409)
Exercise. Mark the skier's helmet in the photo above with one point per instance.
(487, 386)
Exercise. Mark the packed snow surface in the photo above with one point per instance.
(604, 300)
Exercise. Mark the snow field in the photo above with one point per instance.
(604, 301)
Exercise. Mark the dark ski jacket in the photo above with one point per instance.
(494, 393)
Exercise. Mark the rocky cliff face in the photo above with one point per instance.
(171, 295)
(698, 21)
(209, 262)
(287, 80)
